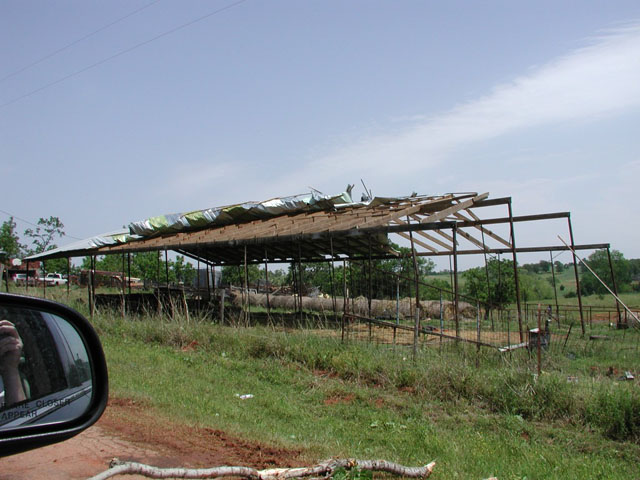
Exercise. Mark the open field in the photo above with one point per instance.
(326, 398)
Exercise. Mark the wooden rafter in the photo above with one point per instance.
(482, 229)
(442, 214)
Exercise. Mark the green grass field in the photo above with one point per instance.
(477, 415)
(358, 400)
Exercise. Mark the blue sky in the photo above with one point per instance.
(535, 100)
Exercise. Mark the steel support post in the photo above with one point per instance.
(615, 289)
(516, 279)
(575, 271)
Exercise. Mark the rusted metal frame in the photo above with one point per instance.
(516, 278)
(483, 230)
(456, 291)
(408, 236)
(345, 304)
(333, 290)
(199, 297)
(166, 269)
(369, 279)
(246, 287)
(300, 280)
(416, 273)
(44, 282)
(266, 279)
(408, 280)
(93, 285)
(577, 276)
(501, 251)
(442, 214)
(555, 289)
(158, 282)
(431, 237)
(471, 238)
(615, 289)
(486, 271)
(124, 301)
(446, 236)
(129, 274)
(68, 276)
(493, 202)
(424, 331)
(516, 219)
(351, 281)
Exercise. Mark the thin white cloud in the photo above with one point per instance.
(598, 80)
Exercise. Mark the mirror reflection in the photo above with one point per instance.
(45, 375)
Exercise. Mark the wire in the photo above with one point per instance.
(75, 42)
(33, 224)
(122, 52)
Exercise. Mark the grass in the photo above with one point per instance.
(353, 400)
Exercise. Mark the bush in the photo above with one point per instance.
(616, 412)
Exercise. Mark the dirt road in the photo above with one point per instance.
(131, 431)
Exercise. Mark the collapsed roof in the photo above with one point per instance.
(314, 227)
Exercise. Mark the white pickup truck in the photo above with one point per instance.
(54, 279)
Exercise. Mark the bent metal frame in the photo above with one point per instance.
(433, 225)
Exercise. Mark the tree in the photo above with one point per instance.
(235, 275)
(146, 265)
(9, 241)
(500, 288)
(599, 263)
(43, 236)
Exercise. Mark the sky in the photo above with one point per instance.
(112, 112)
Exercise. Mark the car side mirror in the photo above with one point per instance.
(53, 373)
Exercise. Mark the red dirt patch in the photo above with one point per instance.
(338, 399)
(131, 430)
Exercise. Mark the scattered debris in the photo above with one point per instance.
(245, 396)
(628, 376)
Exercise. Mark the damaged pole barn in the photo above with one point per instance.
(348, 235)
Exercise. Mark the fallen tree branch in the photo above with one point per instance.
(323, 470)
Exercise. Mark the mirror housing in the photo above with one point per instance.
(91, 386)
